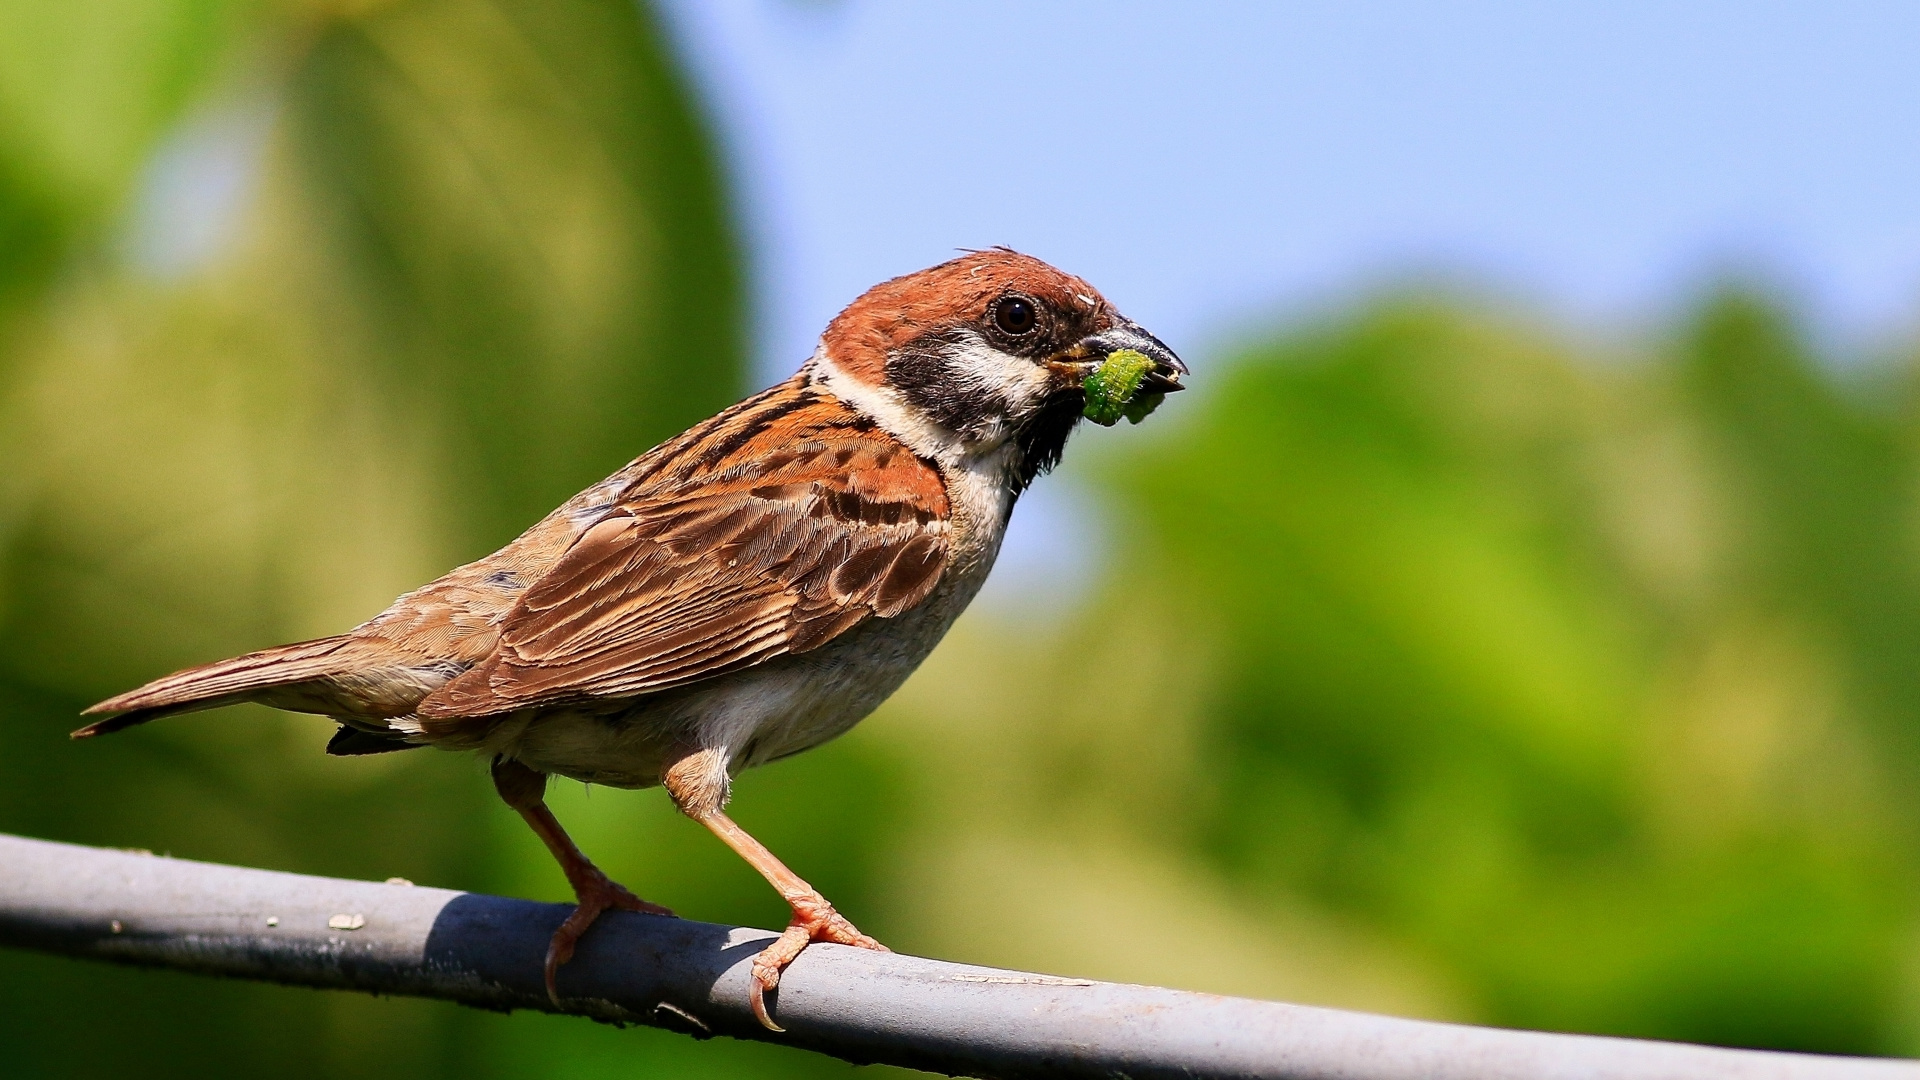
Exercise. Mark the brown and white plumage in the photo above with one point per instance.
(746, 590)
(787, 526)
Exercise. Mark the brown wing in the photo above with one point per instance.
(767, 535)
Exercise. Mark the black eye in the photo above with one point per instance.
(1014, 315)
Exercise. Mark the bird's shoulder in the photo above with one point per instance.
(796, 432)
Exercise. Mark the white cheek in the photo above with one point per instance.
(1016, 380)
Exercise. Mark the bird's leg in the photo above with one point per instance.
(814, 919)
(525, 789)
(697, 781)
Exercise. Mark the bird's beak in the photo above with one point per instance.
(1165, 375)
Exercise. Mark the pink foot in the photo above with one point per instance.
(813, 920)
(595, 893)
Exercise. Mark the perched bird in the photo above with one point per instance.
(742, 592)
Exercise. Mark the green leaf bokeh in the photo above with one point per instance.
(1442, 665)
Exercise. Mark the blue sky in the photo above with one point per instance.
(1212, 167)
(1207, 164)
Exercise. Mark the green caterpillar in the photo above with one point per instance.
(1111, 386)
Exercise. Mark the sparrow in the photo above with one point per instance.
(744, 591)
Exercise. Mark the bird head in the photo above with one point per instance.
(982, 357)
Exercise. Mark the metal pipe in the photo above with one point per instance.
(691, 977)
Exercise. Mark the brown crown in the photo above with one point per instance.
(956, 292)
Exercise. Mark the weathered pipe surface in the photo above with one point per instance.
(692, 977)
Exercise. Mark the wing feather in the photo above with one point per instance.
(721, 560)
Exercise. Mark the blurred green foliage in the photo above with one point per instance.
(1590, 684)
(1446, 668)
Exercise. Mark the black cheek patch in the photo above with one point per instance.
(930, 378)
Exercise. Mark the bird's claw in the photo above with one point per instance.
(594, 894)
(813, 920)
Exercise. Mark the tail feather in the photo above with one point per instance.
(210, 686)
